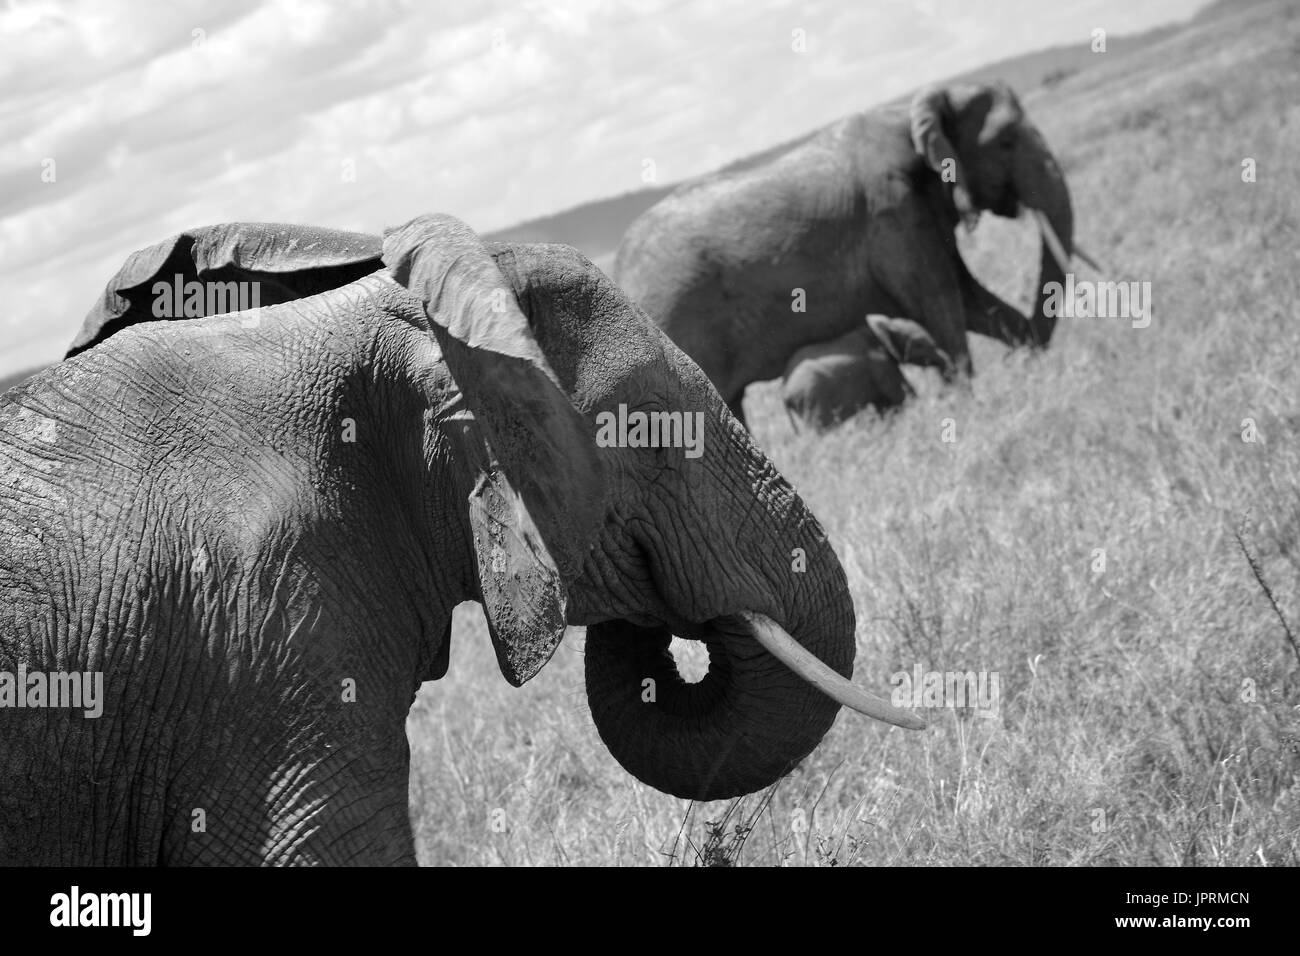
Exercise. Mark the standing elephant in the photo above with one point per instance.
(828, 382)
(250, 530)
(743, 268)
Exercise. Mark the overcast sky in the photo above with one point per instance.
(159, 116)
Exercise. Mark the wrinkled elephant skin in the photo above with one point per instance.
(252, 529)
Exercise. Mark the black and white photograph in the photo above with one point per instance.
(651, 434)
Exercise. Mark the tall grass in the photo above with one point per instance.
(1150, 711)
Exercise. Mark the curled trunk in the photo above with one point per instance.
(748, 722)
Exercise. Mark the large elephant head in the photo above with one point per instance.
(992, 158)
(601, 481)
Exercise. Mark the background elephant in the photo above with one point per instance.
(828, 382)
(853, 220)
(255, 526)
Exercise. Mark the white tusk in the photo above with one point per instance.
(1058, 250)
(1053, 241)
(816, 672)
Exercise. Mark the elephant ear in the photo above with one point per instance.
(931, 111)
(286, 262)
(539, 493)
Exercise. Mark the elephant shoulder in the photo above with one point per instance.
(675, 243)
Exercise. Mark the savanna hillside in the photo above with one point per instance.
(1148, 707)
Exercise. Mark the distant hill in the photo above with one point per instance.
(597, 227)
(593, 227)
(1054, 64)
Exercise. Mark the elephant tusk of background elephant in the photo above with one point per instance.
(1052, 240)
(816, 672)
(1058, 250)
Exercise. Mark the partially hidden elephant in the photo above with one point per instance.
(243, 534)
(828, 382)
(742, 268)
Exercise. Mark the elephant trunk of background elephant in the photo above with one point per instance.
(1040, 185)
(749, 720)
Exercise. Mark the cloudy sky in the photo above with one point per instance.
(149, 117)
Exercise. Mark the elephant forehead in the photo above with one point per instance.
(596, 339)
(629, 365)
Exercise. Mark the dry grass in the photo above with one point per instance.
(1149, 712)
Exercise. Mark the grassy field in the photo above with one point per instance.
(1148, 710)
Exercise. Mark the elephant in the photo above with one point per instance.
(244, 533)
(744, 267)
(828, 382)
